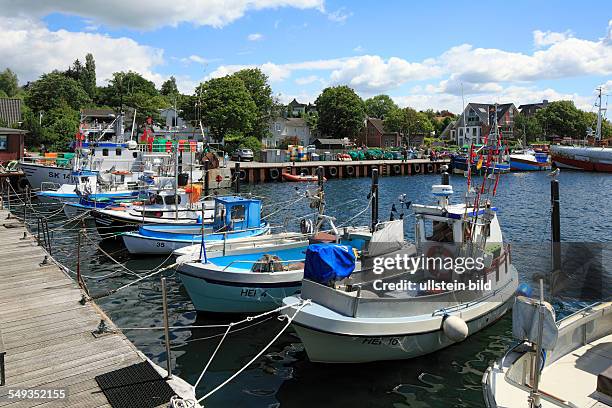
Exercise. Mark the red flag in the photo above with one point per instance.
(495, 186)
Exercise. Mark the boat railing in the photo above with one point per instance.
(575, 331)
(275, 261)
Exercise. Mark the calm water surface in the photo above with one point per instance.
(283, 376)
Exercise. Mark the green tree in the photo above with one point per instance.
(408, 121)
(341, 112)
(227, 107)
(59, 125)
(122, 85)
(527, 128)
(9, 84)
(256, 83)
(169, 88)
(54, 90)
(562, 118)
(88, 76)
(379, 106)
(312, 120)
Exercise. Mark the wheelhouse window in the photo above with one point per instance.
(104, 152)
(117, 152)
(170, 200)
(237, 213)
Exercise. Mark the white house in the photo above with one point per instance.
(281, 128)
(478, 119)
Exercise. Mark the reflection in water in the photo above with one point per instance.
(449, 378)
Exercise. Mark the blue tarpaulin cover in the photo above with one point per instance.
(327, 262)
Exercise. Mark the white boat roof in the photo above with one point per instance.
(455, 211)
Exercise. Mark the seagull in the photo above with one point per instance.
(554, 173)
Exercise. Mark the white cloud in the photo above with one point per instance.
(339, 16)
(307, 80)
(359, 48)
(544, 38)
(150, 14)
(32, 49)
(199, 60)
(255, 37)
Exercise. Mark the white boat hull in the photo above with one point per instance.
(333, 338)
(151, 246)
(333, 348)
(37, 174)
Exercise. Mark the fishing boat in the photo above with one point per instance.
(574, 353)
(234, 218)
(529, 160)
(359, 314)
(181, 206)
(253, 278)
(86, 183)
(584, 156)
(87, 203)
(301, 177)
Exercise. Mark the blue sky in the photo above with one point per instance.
(420, 53)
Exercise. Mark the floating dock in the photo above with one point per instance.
(50, 338)
(255, 172)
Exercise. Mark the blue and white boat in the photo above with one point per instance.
(529, 160)
(234, 218)
(86, 183)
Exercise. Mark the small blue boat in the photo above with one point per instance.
(234, 218)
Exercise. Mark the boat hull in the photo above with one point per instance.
(596, 159)
(517, 164)
(324, 347)
(37, 174)
(222, 297)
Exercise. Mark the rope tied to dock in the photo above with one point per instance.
(299, 306)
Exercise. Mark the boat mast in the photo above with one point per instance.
(600, 110)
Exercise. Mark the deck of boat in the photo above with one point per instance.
(48, 335)
(571, 378)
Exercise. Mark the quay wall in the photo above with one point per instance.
(255, 172)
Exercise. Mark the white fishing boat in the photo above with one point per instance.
(235, 218)
(407, 311)
(577, 365)
(180, 206)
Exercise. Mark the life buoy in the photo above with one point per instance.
(305, 171)
(350, 171)
(242, 175)
(417, 168)
(274, 174)
(397, 168)
(439, 251)
(332, 171)
(430, 168)
(218, 179)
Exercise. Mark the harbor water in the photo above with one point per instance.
(283, 376)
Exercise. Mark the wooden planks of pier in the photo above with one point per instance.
(48, 335)
(255, 172)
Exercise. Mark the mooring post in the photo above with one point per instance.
(320, 176)
(25, 214)
(8, 190)
(237, 177)
(78, 265)
(206, 182)
(555, 230)
(374, 198)
(166, 329)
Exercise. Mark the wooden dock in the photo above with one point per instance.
(256, 172)
(48, 335)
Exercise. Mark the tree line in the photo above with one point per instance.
(236, 108)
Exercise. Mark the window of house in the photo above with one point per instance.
(104, 152)
(461, 132)
(474, 131)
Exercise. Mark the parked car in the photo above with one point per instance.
(242, 155)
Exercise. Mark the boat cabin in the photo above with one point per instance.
(454, 223)
(237, 213)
